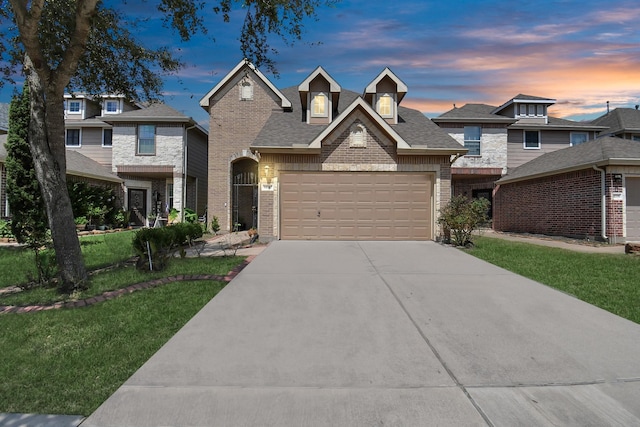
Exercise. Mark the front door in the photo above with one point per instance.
(137, 206)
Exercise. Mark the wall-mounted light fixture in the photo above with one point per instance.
(267, 185)
(266, 174)
(617, 178)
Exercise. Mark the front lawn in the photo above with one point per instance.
(69, 361)
(611, 282)
(17, 263)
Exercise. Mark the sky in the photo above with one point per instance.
(580, 53)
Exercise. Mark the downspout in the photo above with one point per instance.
(185, 147)
(603, 190)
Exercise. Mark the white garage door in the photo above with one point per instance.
(356, 206)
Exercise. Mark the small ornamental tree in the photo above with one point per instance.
(461, 216)
(29, 220)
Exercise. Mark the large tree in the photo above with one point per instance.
(87, 45)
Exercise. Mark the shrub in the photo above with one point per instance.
(5, 229)
(215, 225)
(190, 216)
(155, 246)
(461, 216)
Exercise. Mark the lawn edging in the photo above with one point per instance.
(108, 295)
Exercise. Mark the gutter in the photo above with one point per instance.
(603, 190)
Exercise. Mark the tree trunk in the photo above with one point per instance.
(46, 141)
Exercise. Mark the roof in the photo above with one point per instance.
(204, 102)
(520, 98)
(598, 152)
(620, 120)
(4, 116)
(472, 113)
(287, 129)
(157, 112)
(77, 165)
(483, 113)
(401, 87)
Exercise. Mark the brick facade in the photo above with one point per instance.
(568, 204)
(234, 124)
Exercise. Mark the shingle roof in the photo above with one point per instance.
(288, 129)
(155, 112)
(77, 165)
(598, 152)
(473, 112)
(619, 120)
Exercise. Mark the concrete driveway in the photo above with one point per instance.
(386, 334)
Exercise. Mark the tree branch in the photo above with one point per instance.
(28, 20)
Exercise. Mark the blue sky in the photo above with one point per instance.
(581, 53)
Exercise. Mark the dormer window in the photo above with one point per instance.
(320, 105)
(112, 106)
(531, 110)
(246, 91)
(385, 105)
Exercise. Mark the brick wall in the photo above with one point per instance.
(234, 124)
(374, 151)
(562, 205)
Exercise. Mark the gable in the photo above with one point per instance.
(241, 72)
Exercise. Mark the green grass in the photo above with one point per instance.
(611, 282)
(17, 263)
(70, 361)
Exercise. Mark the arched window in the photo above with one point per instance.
(358, 136)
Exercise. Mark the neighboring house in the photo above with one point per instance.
(621, 122)
(160, 153)
(79, 168)
(505, 137)
(316, 161)
(4, 118)
(587, 191)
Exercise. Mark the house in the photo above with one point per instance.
(591, 190)
(316, 161)
(159, 153)
(79, 169)
(505, 137)
(4, 118)
(621, 122)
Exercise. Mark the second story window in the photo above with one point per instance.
(320, 105)
(472, 136)
(107, 137)
(385, 105)
(531, 139)
(73, 107)
(147, 139)
(112, 107)
(72, 138)
(578, 138)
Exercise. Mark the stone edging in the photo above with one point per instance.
(105, 296)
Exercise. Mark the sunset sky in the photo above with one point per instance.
(581, 53)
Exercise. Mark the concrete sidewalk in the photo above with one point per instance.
(386, 333)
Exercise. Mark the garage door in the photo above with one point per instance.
(633, 209)
(356, 206)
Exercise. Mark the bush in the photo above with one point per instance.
(461, 216)
(5, 229)
(155, 246)
(215, 225)
(190, 216)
